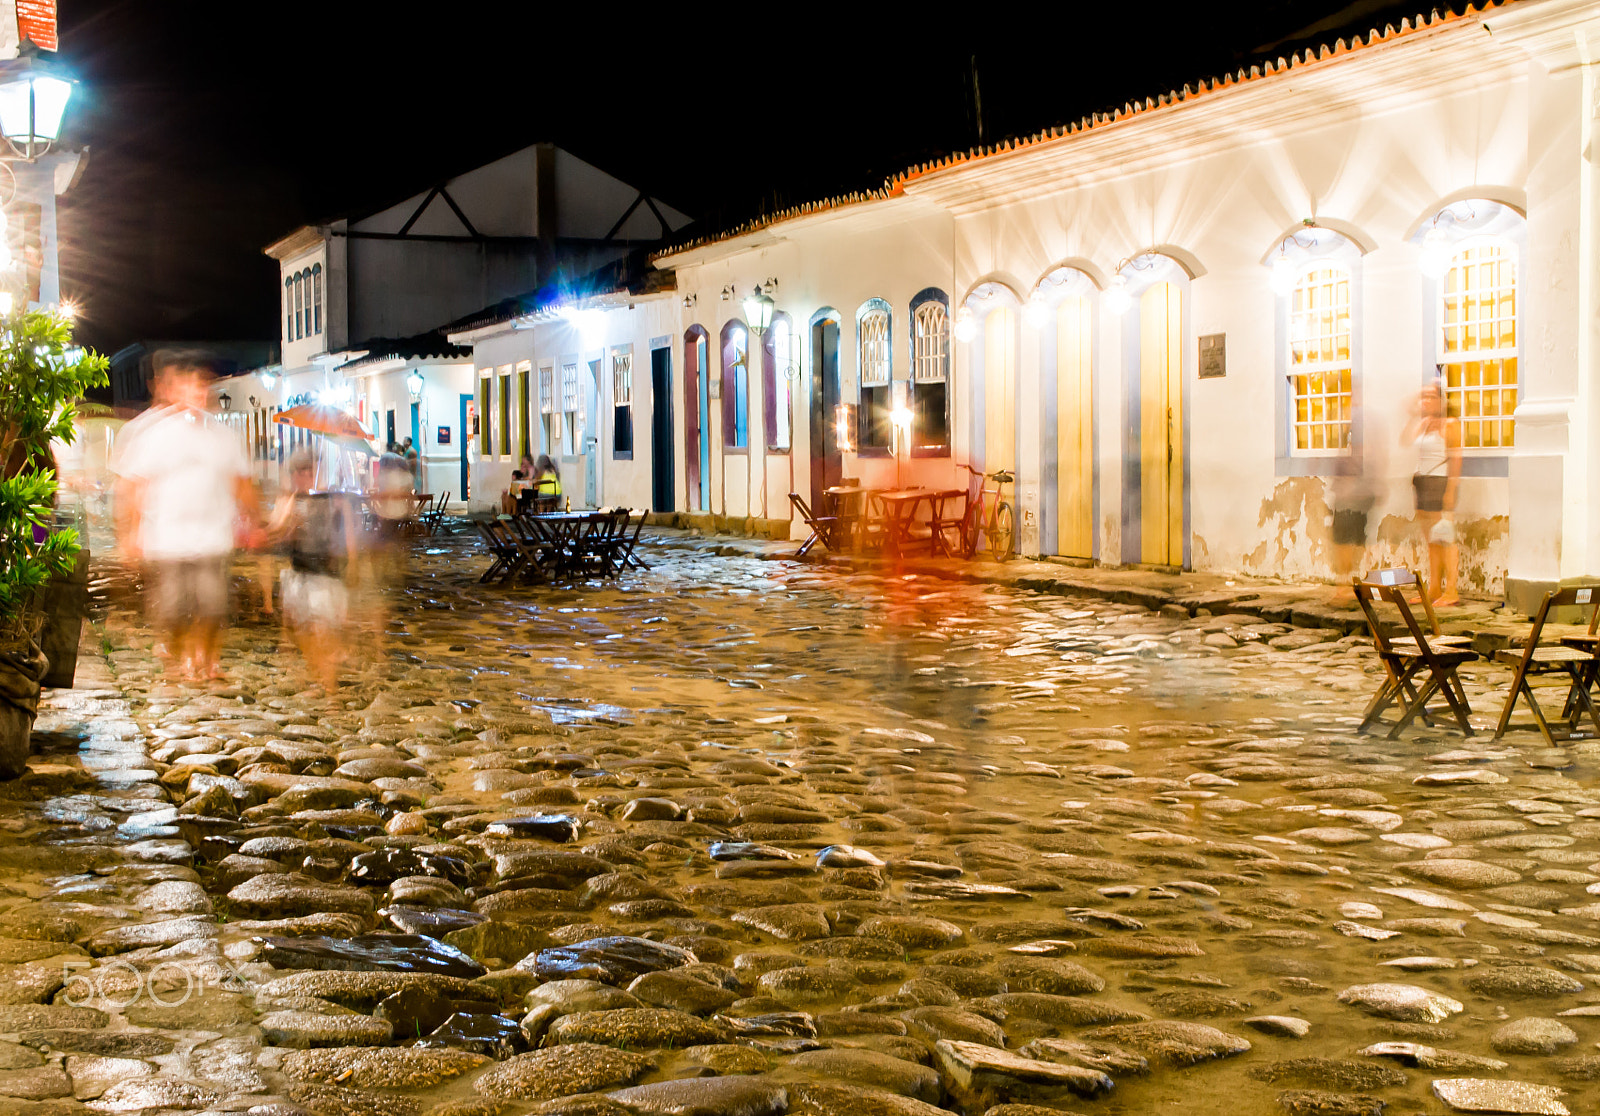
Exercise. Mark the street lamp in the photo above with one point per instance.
(414, 384)
(33, 99)
(225, 401)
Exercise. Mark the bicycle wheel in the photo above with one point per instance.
(1002, 534)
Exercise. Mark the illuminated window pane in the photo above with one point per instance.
(1478, 340)
(1320, 354)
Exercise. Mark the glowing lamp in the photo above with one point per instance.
(268, 380)
(1036, 311)
(414, 384)
(758, 311)
(1435, 253)
(1118, 300)
(966, 327)
(33, 100)
(1283, 274)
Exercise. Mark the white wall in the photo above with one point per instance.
(1374, 143)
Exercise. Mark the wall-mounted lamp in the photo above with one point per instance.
(225, 401)
(1117, 297)
(268, 380)
(1435, 252)
(253, 403)
(966, 326)
(758, 311)
(689, 301)
(414, 384)
(727, 293)
(769, 287)
(1037, 311)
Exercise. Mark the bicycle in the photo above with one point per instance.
(999, 526)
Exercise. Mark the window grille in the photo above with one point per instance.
(1320, 367)
(930, 358)
(873, 329)
(622, 379)
(547, 390)
(569, 387)
(1478, 344)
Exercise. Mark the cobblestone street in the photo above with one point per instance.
(743, 837)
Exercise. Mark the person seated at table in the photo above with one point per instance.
(546, 477)
(517, 494)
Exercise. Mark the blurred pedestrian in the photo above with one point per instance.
(320, 533)
(1354, 490)
(546, 477)
(413, 463)
(1437, 437)
(183, 485)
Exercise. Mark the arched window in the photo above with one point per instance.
(316, 297)
(780, 369)
(735, 387)
(1478, 342)
(1321, 373)
(930, 374)
(875, 367)
(288, 309)
(299, 305)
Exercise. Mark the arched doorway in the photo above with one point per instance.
(827, 462)
(1074, 414)
(697, 419)
(1000, 389)
(1161, 442)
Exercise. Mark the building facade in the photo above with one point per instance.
(363, 298)
(1177, 323)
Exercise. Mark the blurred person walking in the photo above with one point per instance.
(1354, 490)
(1437, 437)
(319, 532)
(182, 484)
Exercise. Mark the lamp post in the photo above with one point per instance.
(33, 101)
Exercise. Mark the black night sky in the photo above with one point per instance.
(216, 128)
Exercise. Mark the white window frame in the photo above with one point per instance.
(1309, 368)
(1455, 398)
(874, 352)
(930, 351)
(622, 376)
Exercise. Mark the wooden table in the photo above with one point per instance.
(572, 542)
(898, 515)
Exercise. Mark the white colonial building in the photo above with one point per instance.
(1171, 321)
(363, 298)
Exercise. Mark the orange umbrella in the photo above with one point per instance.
(330, 421)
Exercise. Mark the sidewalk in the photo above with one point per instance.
(1300, 604)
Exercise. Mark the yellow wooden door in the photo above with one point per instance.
(1000, 390)
(1074, 431)
(1161, 425)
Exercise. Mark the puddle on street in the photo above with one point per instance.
(1097, 836)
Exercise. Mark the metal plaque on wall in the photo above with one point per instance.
(1213, 356)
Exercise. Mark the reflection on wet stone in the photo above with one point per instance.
(966, 848)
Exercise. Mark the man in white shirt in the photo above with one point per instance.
(183, 482)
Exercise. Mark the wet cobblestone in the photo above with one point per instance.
(741, 837)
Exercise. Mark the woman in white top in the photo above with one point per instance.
(1437, 436)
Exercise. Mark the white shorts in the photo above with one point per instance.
(314, 599)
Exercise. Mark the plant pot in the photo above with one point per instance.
(66, 603)
(22, 665)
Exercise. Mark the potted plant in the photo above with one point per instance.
(42, 377)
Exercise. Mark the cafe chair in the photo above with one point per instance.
(1406, 665)
(1537, 657)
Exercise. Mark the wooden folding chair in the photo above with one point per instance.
(829, 530)
(1537, 658)
(628, 542)
(507, 559)
(432, 518)
(1403, 666)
